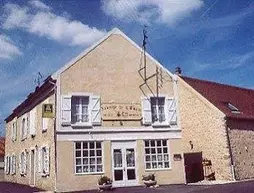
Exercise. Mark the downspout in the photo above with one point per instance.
(55, 124)
(230, 150)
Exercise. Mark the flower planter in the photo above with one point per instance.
(150, 183)
(105, 186)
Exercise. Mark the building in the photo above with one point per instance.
(114, 114)
(2, 144)
(217, 124)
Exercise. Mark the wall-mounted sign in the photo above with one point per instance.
(177, 157)
(47, 111)
(112, 111)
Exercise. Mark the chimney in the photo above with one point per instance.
(178, 71)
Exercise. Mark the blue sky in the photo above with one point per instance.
(208, 39)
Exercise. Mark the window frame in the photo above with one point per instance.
(158, 123)
(150, 154)
(82, 124)
(23, 127)
(88, 157)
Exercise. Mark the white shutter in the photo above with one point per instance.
(26, 126)
(66, 110)
(45, 124)
(20, 164)
(15, 131)
(171, 108)
(12, 131)
(96, 110)
(25, 163)
(146, 111)
(33, 121)
(39, 156)
(11, 168)
(14, 164)
(5, 164)
(46, 160)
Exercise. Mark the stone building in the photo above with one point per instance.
(217, 124)
(113, 115)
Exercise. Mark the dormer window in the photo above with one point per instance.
(233, 108)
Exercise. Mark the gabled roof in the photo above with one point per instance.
(92, 47)
(221, 95)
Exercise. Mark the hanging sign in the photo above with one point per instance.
(47, 111)
(122, 111)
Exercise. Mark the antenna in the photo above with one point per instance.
(38, 79)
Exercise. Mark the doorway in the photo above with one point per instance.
(193, 167)
(32, 168)
(124, 164)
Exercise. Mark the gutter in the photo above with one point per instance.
(230, 150)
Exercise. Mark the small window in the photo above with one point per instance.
(233, 108)
(79, 109)
(23, 127)
(158, 109)
(88, 157)
(156, 154)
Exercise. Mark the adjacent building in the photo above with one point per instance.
(217, 124)
(109, 111)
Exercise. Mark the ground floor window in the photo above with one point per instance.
(156, 154)
(88, 157)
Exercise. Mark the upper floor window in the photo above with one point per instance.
(158, 109)
(233, 108)
(23, 128)
(14, 131)
(79, 109)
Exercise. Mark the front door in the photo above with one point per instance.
(124, 164)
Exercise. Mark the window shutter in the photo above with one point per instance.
(14, 164)
(11, 165)
(15, 131)
(12, 131)
(45, 124)
(46, 160)
(171, 108)
(25, 163)
(5, 164)
(20, 164)
(146, 111)
(66, 110)
(96, 110)
(26, 126)
(39, 160)
(32, 122)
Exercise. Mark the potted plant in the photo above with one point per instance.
(104, 183)
(149, 180)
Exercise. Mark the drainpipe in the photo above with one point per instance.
(230, 150)
(55, 123)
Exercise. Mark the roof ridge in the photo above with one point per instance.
(217, 83)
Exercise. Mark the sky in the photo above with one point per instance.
(208, 39)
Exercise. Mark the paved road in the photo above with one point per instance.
(239, 187)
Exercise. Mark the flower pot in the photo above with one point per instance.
(149, 183)
(105, 186)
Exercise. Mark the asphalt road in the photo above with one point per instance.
(239, 187)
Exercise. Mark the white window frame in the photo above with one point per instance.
(158, 123)
(23, 127)
(89, 123)
(13, 164)
(14, 131)
(88, 157)
(156, 154)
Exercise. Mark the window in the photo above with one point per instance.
(23, 128)
(233, 108)
(7, 164)
(158, 109)
(43, 161)
(88, 157)
(79, 109)
(22, 163)
(14, 131)
(13, 164)
(156, 154)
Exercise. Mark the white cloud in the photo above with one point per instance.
(38, 4)
(7, 49)
(50, 25)
(147, 11)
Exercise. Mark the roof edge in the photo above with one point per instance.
(93, 46)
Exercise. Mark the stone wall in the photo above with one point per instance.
(204, 126)
(241, 134)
